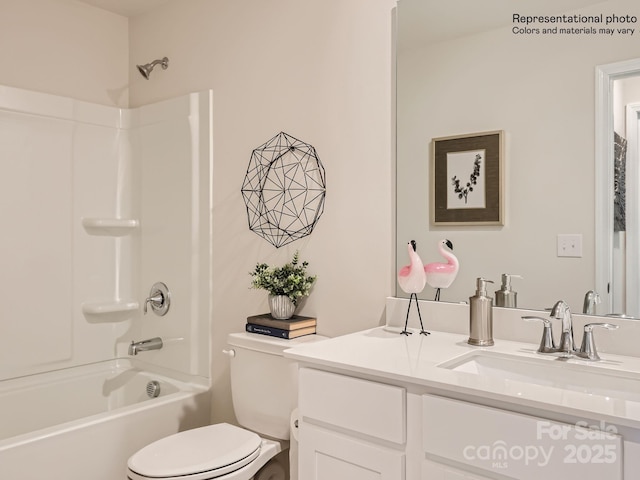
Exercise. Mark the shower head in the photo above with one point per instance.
(145, 70)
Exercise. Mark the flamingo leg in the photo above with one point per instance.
(437, 299)
(422, 330)
(406, 321)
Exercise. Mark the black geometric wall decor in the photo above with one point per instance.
(284, 190)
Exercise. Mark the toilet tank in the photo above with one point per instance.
(264, 384)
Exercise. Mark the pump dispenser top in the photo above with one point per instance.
(481, 286)
(481, 316)
(506, 297)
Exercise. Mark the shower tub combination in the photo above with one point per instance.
(84, 422)
(84, 186)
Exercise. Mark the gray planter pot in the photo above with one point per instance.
(281, 307)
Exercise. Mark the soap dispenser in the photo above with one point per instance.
(481, 316)
(506, 297)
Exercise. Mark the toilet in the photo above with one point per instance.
(264, 387)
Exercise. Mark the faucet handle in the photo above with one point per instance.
(588, 349)
(609, 326)
(547, 345)
(156, 301)
(159, 299)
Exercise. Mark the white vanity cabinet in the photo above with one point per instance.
(350, 428)
(357, 429)
(378, 405)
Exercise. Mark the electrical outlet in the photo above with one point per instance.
(570, 245)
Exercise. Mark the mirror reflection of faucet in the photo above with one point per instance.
(591, 299)
(145, 345)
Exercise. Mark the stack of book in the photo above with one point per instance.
(296, 326)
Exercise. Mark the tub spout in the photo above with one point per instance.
(144, 345)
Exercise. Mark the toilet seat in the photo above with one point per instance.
(200, 454)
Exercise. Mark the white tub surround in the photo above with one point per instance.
(100, 203)
(438, 405)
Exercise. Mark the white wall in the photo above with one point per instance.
(66, 48)
(321, 71)
(540, 91)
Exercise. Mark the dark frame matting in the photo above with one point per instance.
(493, 211)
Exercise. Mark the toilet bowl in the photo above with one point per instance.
(264, 392)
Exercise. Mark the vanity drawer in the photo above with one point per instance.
(478, 438)
(370, 408)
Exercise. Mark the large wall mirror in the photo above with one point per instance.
(465, 68)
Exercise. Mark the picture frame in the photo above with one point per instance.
(467, 179)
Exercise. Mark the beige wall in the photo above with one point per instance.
(64, 47)
(319, 70)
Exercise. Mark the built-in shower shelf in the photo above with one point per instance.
(110, 227)
(105, 308)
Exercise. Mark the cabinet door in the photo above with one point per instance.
(512, 445)
(326, 455)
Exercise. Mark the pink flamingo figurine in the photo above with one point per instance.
(412, 279)
(441, 275)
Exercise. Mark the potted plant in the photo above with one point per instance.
(286, 285)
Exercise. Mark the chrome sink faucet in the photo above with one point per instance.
(567, 348)
(561, 311)
(145, 345)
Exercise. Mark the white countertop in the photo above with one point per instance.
(413, 361)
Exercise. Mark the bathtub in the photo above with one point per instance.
(83, 423)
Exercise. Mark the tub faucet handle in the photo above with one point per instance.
(159, 299)
(155, 301)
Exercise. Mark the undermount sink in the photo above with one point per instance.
(550, 372)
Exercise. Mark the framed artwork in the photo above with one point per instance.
(467, 179)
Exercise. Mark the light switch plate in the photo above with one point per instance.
(570, 245)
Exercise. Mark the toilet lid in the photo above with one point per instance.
(222, 447)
